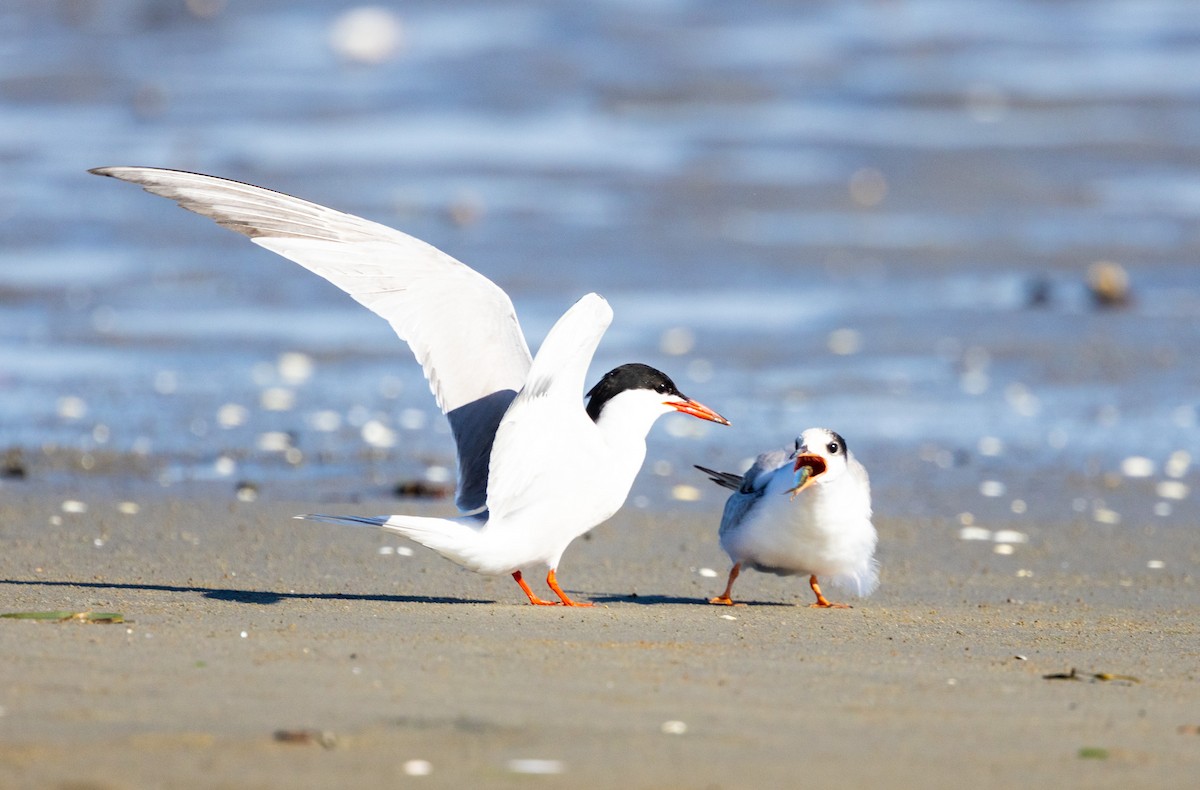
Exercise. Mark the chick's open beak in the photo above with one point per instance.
(807, 468)
(697, 409)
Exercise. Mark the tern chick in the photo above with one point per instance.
(804, 511)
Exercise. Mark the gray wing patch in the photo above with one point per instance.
(474, 428)
(759, 473)
(752, 486)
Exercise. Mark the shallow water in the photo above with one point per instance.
(875, 216)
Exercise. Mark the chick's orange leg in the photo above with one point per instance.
(822, 603)
(533, 599)
(552, 580)
(725, 599)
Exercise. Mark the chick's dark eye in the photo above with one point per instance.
(833, 448)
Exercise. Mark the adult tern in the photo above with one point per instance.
(806, 511)
(535, 468)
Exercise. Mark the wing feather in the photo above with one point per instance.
(752, 488)
(461, 327)
(548, 407)
(724, 479)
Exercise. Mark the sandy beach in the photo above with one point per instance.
(242, 624)
(880, 217)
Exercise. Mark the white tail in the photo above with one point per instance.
(460, 540)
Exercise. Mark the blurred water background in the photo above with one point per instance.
(877, 215)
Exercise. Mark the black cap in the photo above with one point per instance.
(634, 376)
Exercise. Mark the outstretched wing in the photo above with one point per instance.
(530, 438)
(460, 325)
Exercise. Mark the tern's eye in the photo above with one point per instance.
(833, 448)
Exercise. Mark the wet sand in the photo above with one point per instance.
(242, 622)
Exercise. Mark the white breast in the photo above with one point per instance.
(825, 531)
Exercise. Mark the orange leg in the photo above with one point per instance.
(724, 598)
(533, 599)
(552, 580)
(822, 603)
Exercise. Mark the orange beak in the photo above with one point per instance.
(697, 410)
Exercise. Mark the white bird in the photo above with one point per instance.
(801, 511)
(535, 469)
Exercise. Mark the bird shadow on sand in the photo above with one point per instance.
(668, 600)
(259, 597)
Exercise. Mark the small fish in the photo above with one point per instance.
(803, 475)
